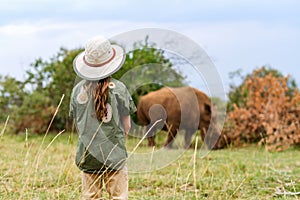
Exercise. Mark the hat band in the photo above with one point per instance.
(101, 64)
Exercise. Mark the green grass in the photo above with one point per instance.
(29, 170)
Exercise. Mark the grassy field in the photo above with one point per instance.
(35, 168)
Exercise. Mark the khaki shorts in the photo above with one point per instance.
(116, 184)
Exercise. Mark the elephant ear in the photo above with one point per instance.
(207, 109)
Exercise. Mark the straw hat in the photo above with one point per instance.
(99, 60)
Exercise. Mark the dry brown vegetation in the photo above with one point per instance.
(270, 117)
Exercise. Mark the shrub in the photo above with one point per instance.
(270, 116)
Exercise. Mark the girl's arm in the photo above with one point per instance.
(126, 123)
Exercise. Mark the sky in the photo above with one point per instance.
(244, 34)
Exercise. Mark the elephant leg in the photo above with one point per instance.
(151, 141)
(203, 133)
(151, 136)
(188, 137)
(170, 139)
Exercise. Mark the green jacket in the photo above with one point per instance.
(101, 144)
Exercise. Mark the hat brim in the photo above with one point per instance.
(96, 73)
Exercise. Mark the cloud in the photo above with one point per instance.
(231, 44)
(27, 29)
(151, 11)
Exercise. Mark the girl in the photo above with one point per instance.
(101, 108)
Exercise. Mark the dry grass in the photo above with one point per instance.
(29, 170)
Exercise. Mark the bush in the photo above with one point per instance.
(270, 116)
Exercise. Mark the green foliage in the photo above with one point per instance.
(49, 80)
(148, 66)
(32, 102)
(237, 96)
(12, 95)
(63, 78)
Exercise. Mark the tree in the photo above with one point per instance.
(45, 84)
(149, 64)
(12, 95)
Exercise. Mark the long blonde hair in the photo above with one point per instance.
(100, 94)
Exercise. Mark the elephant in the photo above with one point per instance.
(179, 108)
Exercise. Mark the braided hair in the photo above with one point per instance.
(100, 94)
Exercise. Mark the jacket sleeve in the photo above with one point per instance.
(126, 103)
(72, 110)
